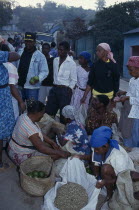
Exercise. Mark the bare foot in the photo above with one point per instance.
(136, 195)
(4, 165)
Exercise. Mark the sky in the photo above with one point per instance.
(86, 4)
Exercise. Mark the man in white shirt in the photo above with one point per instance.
(65, 79)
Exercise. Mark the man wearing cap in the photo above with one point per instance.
(32, 68)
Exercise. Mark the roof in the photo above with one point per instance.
(136, 30)
(55, 28)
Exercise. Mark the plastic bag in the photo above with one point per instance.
(82, 114)
(74, 171)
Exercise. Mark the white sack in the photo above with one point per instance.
(74, 171)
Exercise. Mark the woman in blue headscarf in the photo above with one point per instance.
(82, 77)
(107, 151)
(109, 159)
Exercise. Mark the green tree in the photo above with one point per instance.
(33, 18)
(30, 19)
(100, 4)
(75, 29)
(5, 13)
(111, 23)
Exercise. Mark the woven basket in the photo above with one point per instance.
(37, 186)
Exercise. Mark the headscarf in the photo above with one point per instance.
(102, 136)
(133, 61)
(87, 56)
(106, 47)
(69, 112)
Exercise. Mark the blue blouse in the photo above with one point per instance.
(76, 133)
(4, 77)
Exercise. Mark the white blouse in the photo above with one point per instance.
(133, 93)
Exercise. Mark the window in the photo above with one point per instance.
(135, 50)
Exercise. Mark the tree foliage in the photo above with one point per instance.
(30, 19)
(100, 4)
(33, 18)
(75, 29)
(111, 23)
(5, 13)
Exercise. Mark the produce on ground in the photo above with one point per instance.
(89, 171)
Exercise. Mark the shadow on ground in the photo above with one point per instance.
(12, 197)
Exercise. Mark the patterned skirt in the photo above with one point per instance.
(18, 158)
(7, 119)
(76, 98)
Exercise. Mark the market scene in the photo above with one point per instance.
(69, 105)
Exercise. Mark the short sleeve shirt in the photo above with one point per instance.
(13, 74)
(23, 130)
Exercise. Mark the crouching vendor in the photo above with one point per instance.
(109, 158)
(75, 139)
(27, 138)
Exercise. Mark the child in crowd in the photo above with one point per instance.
(133, 96)
(82, 78)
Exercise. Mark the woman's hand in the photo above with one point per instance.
(116, 99)
(124, 98)
(22, 106)
(55, 145)
(55, 157)
(120, 93)
(82, 101)
(121, 99)
(100, 184)
(75, 156)
(64, 154)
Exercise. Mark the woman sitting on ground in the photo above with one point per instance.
(75, 139)
(27, 138)
(121, 193)
(99, 115)
(108, 151)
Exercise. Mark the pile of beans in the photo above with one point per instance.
(71, 196)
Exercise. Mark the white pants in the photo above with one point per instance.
(43, 93)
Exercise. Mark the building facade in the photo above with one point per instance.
(131, 48)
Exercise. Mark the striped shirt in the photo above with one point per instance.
(24, 129)
(13, 74)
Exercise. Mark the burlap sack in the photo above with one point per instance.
(48, 125)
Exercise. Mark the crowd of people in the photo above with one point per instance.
(33, 83)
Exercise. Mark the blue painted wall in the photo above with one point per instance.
(86, 43)
(129, 41)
